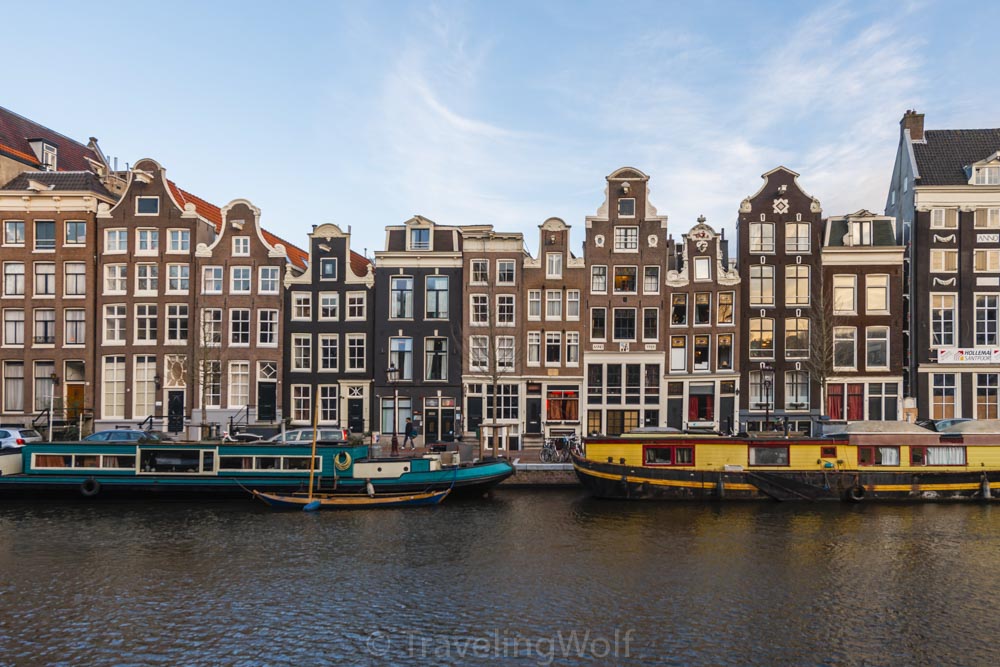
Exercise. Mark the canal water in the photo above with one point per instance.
(532, 578)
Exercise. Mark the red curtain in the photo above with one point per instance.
(855, 402)
(835, 401)
(709, 408)
(692, 408)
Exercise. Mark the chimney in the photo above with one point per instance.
(914, 122)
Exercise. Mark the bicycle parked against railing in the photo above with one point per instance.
(561, 449)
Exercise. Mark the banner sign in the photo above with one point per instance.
(988, 355)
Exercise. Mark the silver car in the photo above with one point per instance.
(305, 435)
(15, 438)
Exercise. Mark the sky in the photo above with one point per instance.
(505, 113)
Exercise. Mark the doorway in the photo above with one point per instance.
(175, 411)
(533, 425)
(356, 415)
(267, 401)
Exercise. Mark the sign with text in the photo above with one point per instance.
(980, 355)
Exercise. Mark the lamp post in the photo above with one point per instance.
(766, 382)
(392, 374)
(52, 401)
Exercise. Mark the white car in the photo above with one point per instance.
(305, 435)
(15, 438)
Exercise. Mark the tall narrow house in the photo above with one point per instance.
(945, 198)
(780, 239)
(328, 336)
(624, 356)
(418, 330)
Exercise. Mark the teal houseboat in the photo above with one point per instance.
(204, 469)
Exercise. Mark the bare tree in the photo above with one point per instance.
(822, 323)
(206, 371)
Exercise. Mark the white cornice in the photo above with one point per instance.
(864, 255)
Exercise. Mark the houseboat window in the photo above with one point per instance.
(208, 462)
(170, 461)
(235, 463)
(828, 452)
(268, 463)
(878, 456)
(53, 461)
(118, 462)
(768, 456)
(937, 456)
(297, 463)
(87, 461)
(669, 456)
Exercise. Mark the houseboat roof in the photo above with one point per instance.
(974, 426)
(883, 427)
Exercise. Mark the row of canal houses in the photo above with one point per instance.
(128, 300)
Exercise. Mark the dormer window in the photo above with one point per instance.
(626, 208)
(49, 157)
(861, 232)
(241, 246)
(420, 239)
(987, 175)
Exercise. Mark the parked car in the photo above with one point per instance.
(306, 435)
(123, 435)
(941, 424)
(242, 437)
(15, 438)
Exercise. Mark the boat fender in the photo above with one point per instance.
(856, 493)
(90, 487)
(342, 461)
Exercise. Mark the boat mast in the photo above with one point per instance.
(312, 459)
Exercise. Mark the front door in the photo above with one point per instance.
(431, 425)
(267, 401)
(675, 413)
(534, 423)
(175, 411)
(356, 415)
(74, 401)
(448, 424)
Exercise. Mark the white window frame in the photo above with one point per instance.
(348, 360)
(623, 239)
(553, 306)
(534, 305)
(218, 277)
(553, 265)
(241, 246)
(871, 337)
(147, 197)
(264, 276)
(991, 257)
(152, 241)
(363, 297)
(320, 317)
(844, 279)
(870, 285)
(941, 258)
(248, 270)
(954, 318)
(840, 334)
(573, 299)
(118, 234)
(178, 241)
(270, 321)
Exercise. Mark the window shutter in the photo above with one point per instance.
(980, 217)
(951, 218)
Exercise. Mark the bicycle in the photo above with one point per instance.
(561, 449)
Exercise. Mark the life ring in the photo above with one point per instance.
(342, 461)
(856, 493)
(90, 487)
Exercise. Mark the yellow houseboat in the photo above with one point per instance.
(870, 461)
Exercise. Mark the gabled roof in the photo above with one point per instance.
(944, 154)
(16, 131)
(213, 214)
(63, 181)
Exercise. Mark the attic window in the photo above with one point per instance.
(147, 205)
(49, 157)
(861, 232)
(626, 208)
(988, 176)
(420, 239)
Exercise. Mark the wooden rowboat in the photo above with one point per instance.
(316, 501)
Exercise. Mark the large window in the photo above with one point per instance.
(115, 317)
(883, 401)
(505, 271)
(797, 285)
(211, 327)
(761, 237)
(13, 326)
(553, 265)
(942, 396)
(436, 358)
(796, 390)
(650, 324)
(651, 280)
(877, 347)
(845, 347)
(241, 280)
(76, 326)
(178, 278)
(329, 352)
(267, 328)
(768, 456)
(534, 348)
(437, 298)
(357, 304)
(239, 384)
(986, 261)
(147, 241)
(45, 279)
(534, 304)
(401, 356)
(480, 309)
(45, 326)
(268, 280)
(987, 396)
(626, 239)
(356, 352)
(678, 310)
(553, 348)
(144, 387)
(572, 348)
(625, 279)
(703, 308)
(987, 176)
(329, 306)
(986, 319)
(573, 304)
(147, 279)
(624, 324)
(113, 386)
(13, 386)
(678, 353)
(480, 271)
(725, 308)
(211, 280)
(797, 237)
(177, 322)
(943, 315)
(937, 456)
(878, 456)
(401, 297)
(146, 322)
(877, 294)
(505, 354)
(13, 232)
(944, 261)
(302, 403)
(45, 235)
(75, 275)
(724, 356)
(115, 241)
(420, 239)
(761, 285)
(844, 297)
(598, 323)
(180, 240)
(599, 279)
(13, 279)
(553, 304)
(702, 345)
(239, 326)
(479, 353)
(301, 352)
(761, 338)
(797, 338)
(505, 310)
(210, 382)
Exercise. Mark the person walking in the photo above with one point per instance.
(409, 432)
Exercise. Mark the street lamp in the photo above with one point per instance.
(766, 382)
(392, 374)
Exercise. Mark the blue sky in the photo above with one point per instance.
(365, 113)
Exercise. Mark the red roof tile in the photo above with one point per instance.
(359, 264)
(15, 131)
(298, 256)
(210, 212)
